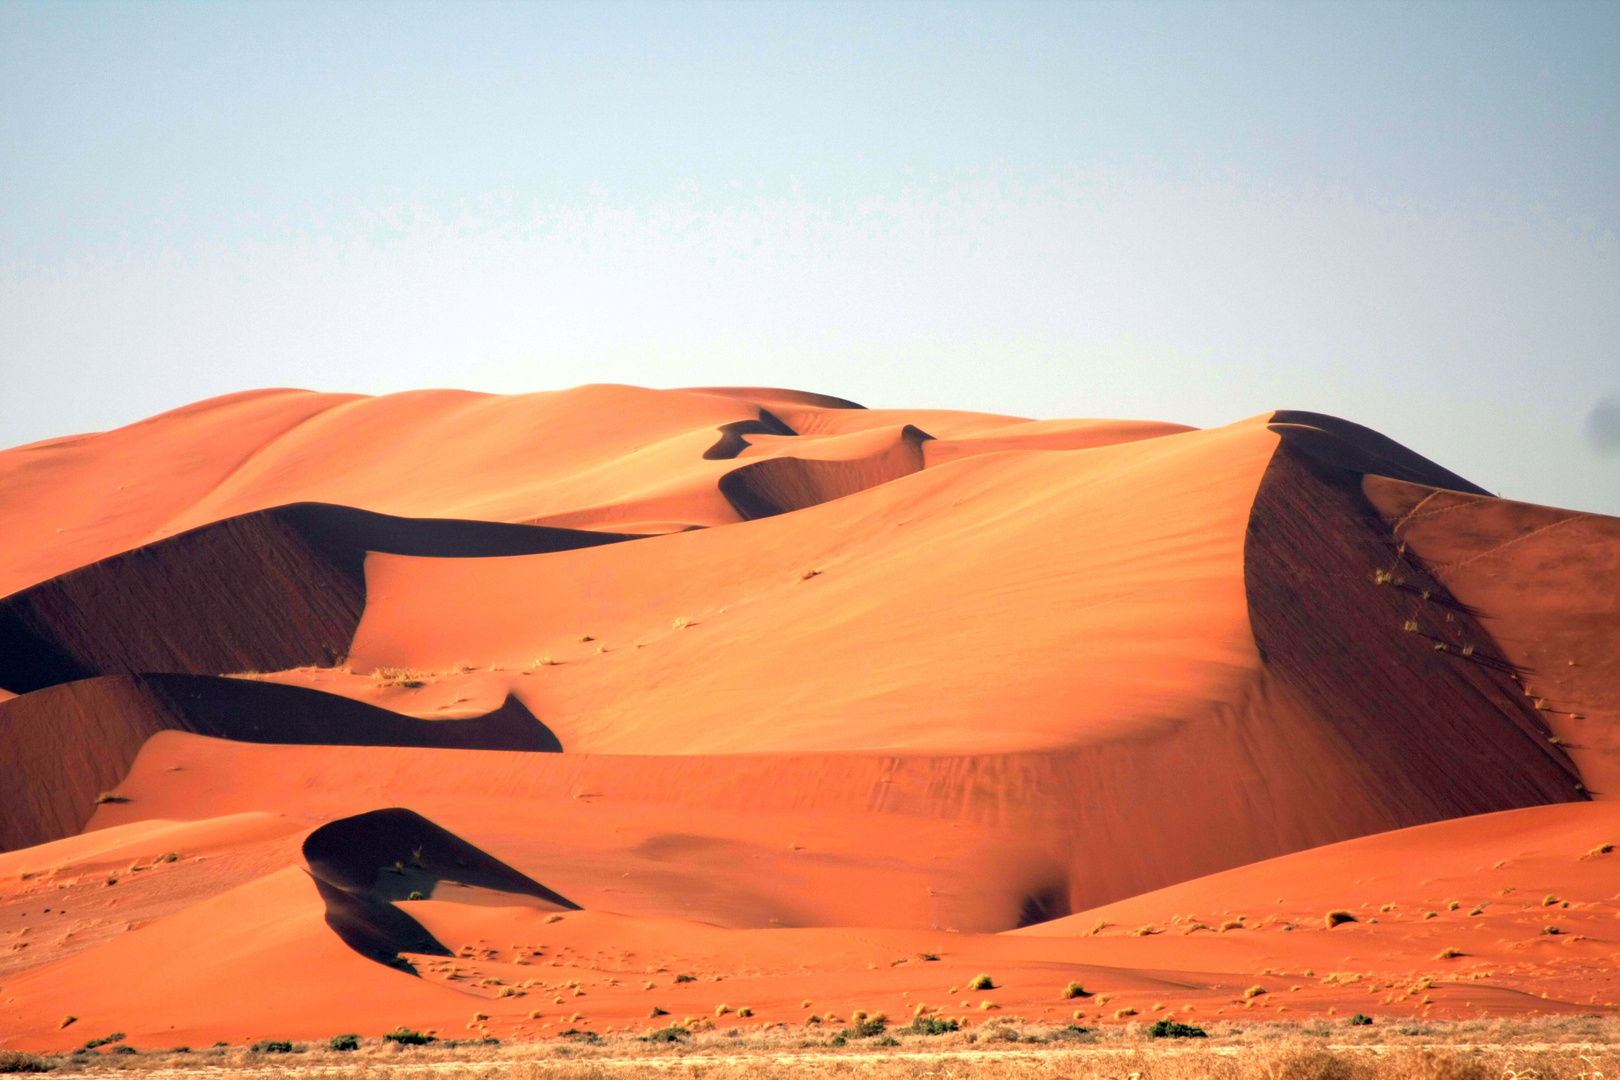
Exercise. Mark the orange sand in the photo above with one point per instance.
(967, 673)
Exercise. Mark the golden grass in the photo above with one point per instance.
(1571, 1048)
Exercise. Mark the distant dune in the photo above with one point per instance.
(405, 709)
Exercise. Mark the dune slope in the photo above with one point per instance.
(70, 744)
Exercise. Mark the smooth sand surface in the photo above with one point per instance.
(1114, 702)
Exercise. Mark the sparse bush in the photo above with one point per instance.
(671, 1034)
(343, 1042)
(931, 1025)
(117, 1036)
(981, 982)
(1360, 1020)
(1170, 1029)
(1074, 990)
(272, 1046)
(406, 1037)
(14, 1061)
(1336, 917)
(865, 1027)
(416, 895)
(683, 977)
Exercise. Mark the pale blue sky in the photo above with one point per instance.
(1407, 215)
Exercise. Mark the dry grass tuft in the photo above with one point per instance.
(1337, 917)
(15, 1061)
(385, 677)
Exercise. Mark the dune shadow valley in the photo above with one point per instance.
(617, 712)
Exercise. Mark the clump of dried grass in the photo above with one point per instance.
(385, 677)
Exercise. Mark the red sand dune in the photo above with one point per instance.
(835, 688)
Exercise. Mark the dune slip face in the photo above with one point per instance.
(612, 707)
(71, 745)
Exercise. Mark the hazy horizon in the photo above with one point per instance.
(1405, 215)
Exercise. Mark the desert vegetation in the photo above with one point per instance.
(1569, 1048)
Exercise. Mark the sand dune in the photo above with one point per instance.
(264, 591)
(836, 689)
(70, 744)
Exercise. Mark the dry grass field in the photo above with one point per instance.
(1580, 1048)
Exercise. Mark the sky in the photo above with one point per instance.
(1407, 215)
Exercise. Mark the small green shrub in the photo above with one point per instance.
(981, 982)
(271, 1046)
(416, 895)
(673, 1033)
(866, 1027)
(122, 1048)
(1360, 1020)
(406, 1037)
(117, 1036)
(343, 1042)
(1170, 1029)
(931, 1025)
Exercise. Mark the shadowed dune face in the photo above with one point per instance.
(1340, 444)
(866, 685)
(388, 854)
(271, 590)
(733, 439)
(1546, 584)
(70, 743)
(1398, 669)
(362, 864)
(780, 485)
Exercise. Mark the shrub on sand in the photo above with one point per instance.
(406, 1037)
(15, 1061)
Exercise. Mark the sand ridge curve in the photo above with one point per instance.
(70, 743)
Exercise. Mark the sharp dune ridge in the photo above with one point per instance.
(581, 709)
